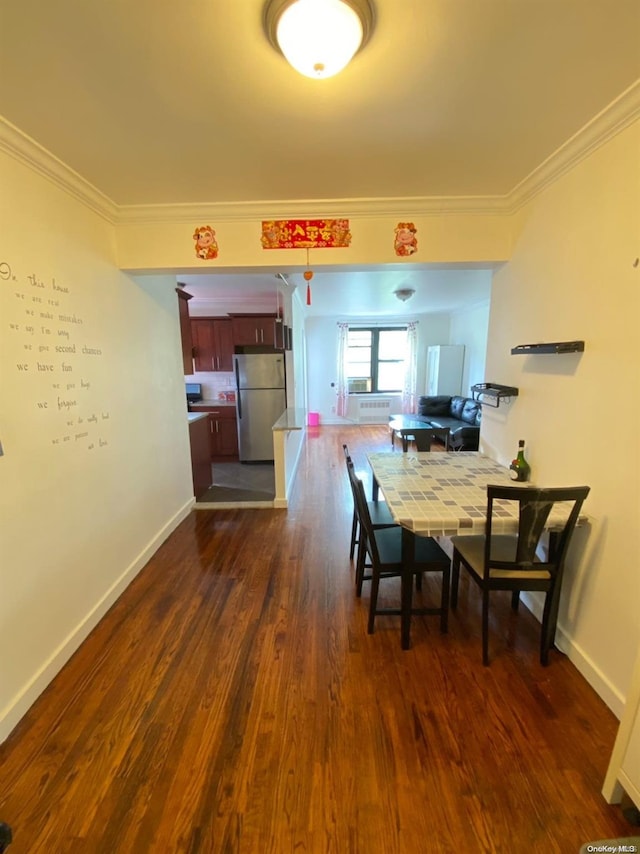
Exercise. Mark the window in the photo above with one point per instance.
(375, 359)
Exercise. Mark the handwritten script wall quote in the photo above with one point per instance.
(56, 357)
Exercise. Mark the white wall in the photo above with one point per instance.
(322, 356)
(96, 468)
(574, 274)
(296, 364)
(469, 327)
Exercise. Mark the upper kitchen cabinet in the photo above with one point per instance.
(251, 329)
(212, 343)
(185, 331)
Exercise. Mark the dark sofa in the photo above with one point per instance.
(460, 414)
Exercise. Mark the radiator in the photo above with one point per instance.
(374, 410)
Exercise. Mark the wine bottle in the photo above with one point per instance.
(520, 469)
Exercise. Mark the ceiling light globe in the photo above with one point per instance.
(404, 294)
(319, 37)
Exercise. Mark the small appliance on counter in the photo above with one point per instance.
(194, 392)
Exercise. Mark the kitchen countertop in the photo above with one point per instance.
(202, 403)
(196, 416)
(291, 419)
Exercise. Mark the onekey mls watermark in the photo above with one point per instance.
(612, 846)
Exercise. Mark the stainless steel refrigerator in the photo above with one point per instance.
(260, 401)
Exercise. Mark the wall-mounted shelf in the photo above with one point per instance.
(551, 347)
(490, 394)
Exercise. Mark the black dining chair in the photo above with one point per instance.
(513, 562)
(378, 511)
(424, 438)
(6, 837)
(383, 546)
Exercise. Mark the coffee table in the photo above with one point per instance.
(406, 426)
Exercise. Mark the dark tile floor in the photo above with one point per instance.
(239, 482)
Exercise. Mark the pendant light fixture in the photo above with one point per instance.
(318, 37)
(404, 294)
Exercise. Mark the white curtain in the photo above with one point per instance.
(410, 385)
(343, 392)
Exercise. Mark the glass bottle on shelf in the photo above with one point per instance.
(520, 469)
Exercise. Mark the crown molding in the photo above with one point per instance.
(615, 118)
(311, 208)
(23, 148)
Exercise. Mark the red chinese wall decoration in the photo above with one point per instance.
(206, 243)
(405, 242)
(305, 233)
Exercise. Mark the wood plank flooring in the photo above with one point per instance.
(232, 701)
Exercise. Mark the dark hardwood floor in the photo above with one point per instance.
(232, 701)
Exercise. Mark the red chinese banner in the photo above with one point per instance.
(305, 233)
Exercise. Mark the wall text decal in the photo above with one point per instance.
(55, 356)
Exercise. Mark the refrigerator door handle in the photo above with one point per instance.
(238, 395)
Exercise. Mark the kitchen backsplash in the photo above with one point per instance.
(213, 384)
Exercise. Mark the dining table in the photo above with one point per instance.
(442, 494)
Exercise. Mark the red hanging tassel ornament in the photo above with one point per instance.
(308, 275)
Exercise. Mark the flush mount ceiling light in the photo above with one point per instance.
(404, 293)
(318, 37)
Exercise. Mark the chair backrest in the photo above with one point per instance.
(535, 506)
(351, 472)
(364, 517)
(424, 438)
(353, 480)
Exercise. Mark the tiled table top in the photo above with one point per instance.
(442, 494)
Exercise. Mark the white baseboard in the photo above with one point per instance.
(22, 702)
(583, 663)
(337, 420)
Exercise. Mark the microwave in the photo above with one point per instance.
(194, 392)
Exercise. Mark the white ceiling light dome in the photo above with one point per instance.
(318, 37)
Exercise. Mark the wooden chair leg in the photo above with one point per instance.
(354, 535)
(455, 578)
(373, 602)
(515, 600)
(485, 628)
(548, 633)
(360, 566)
(444, 602)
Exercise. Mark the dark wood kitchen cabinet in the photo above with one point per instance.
(252, 329)
(212, 343)
(200, 456)
(185, 330)
(223, 433)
